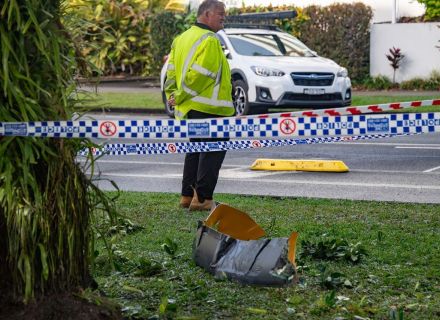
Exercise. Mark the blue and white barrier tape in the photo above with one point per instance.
(191, 147)
(244, 128)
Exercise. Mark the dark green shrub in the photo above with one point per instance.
(413, 84)
(340, 32)
(377, 83)
(432, 83)
(165, 26)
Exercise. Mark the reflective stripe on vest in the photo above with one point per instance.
(204, 71)
(169, 82)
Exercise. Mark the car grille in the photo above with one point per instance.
(307, 97)
(312, 79)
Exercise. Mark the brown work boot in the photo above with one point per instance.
(196, 205)
(185, 201)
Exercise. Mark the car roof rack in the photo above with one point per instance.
(261, 17)
(252, 26)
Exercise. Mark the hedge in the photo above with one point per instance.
(340, 32)
(125, 37)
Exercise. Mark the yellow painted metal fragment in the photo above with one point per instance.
(292, 247)
(300, 165)
(234, 223)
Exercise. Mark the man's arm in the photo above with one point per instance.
(170, 85)
(203, 72)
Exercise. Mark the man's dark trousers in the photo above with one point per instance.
(201, 169)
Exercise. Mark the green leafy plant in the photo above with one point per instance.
(113, 35)
(147, 268)
(327, 248)
(378, 83)
(331, 280)
(326, 302)
(431, 83)
(395, 58)
(123, 226)
(168, 306)
(170, 247)
(330, 299)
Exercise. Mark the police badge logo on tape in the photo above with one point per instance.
(131, 148)
(15, 129)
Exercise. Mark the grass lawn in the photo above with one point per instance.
(153, 100)
(366, 100)
(398, 279)
(135, 100)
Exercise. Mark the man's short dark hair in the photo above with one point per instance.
(209, 5)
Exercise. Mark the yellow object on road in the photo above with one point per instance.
(300, 165)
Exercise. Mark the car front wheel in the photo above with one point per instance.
(241, 102)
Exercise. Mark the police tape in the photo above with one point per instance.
(118, 149)
(355, 110)
(241, 128)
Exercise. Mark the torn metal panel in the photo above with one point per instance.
(226, 255)
(209, 246)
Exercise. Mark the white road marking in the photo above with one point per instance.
(239, 173)
(390, 144)
(413, 147)
(136, 162)
(388, 171)
(158, 163)
(227, 174)
(432, 169)
(286, 182)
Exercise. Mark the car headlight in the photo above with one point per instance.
(343, 73)
(267, 72)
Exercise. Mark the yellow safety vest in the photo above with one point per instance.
(198, 74)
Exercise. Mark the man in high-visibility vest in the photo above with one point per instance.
(199, 86)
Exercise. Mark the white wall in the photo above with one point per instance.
(417, 42)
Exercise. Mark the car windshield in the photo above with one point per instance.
(248, 44)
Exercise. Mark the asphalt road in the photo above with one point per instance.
(403, 169)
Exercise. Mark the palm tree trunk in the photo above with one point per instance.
(46, 201)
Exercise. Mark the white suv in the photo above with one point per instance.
(271, 68)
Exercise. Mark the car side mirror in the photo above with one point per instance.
(227, 53)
